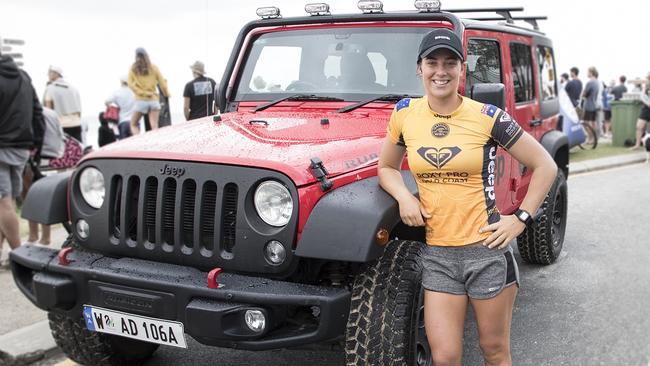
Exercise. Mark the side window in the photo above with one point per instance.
(483, 63)
(547, 81)
(522, 72)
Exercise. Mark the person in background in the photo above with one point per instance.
(620, 89)
(590, 97)
(21, 134)
(564, 78)
(198, 94)
(644, 115)
(144, 78)
(65, 100)
(124, 99)
(607, 98)
(573, 88)
(53, 148)
(105, 134)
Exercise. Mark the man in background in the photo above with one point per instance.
(591, 96)
(124, 99)
(198, 94)
(573, 88)
(64, 99)
(21, 132)
(619, 89)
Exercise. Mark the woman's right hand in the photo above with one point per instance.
(411, 211)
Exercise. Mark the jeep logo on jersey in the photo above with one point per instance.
(172, 170)
(440, 130)
(438, 157)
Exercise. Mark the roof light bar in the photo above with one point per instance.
(317, 9)
(370, 6)
(427, 6)
(269, 12)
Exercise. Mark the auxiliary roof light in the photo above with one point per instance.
(426, 6)
(317, 9)
(268, 12)
(370, 6)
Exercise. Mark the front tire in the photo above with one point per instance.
(91, 348)
(386, 321)
(542, 242)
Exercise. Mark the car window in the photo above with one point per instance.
(547, 77)
(350, 63)
(483, 63)
(522, 72)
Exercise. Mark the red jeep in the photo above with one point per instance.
(265, 227)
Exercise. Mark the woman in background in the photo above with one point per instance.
(144, 77)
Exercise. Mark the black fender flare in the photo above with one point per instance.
(344, 223)
(47, 200)
(557, 145)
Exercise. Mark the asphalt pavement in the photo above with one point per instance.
(25, 337)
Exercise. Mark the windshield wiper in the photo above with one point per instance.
(262, 107)
(387, 97)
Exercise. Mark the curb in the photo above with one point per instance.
(606, 163)
(26, 345)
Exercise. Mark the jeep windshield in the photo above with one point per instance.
(350, 63)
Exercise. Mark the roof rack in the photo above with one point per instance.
(530, 20)
(503, 14)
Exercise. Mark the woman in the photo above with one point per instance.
(467, 255)
(144, 77)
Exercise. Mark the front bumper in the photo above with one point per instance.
(300, 314)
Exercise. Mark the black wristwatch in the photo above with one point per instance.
(524, 216)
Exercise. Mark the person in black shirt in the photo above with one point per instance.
(199, 94)
(574, 87)
(620, 89)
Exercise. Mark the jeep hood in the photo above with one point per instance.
(278, 141)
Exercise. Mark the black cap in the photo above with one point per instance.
(441, 38)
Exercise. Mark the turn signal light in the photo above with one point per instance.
(382, 237)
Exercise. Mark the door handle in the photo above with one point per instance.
(535, 122)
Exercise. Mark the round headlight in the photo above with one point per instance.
(273, 203)
(91, 185)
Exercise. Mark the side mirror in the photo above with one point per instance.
(490, 93)
(216, 98)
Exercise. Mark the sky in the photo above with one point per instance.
(94, 41)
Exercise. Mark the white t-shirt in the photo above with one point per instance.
(66, 100)
(125, 100)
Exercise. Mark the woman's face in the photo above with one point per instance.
(440, 72)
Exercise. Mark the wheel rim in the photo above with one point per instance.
(557, 219)
(421, 344)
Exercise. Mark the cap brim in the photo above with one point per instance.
(430, 50)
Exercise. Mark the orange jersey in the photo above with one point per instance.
(452, 158)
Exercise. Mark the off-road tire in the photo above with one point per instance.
(386, 325)
(96, 349)
(542, 242)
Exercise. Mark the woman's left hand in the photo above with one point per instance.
(503, 231)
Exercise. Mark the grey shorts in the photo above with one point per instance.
(473, 270)
(11, 180)
(146, 106)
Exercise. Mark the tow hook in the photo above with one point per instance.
(63, 256)
(320, 173)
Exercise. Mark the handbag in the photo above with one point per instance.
(112, 113)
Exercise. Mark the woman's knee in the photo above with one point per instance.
(495, 351)
(449, 354)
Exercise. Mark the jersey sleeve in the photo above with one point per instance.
(505, 130)
(394, 131)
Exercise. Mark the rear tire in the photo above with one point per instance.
(96, 349)
(386, 321)
(542, 242)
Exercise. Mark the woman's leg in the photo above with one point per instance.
(444, 320)
(45, 234)
(135, 123)
(494, 317)
(153, 118)
(33, 232)
(640, 129)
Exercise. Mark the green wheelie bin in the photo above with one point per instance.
(624, 116)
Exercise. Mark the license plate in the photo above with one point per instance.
(143, 328)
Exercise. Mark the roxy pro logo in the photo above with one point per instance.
(172, 170)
